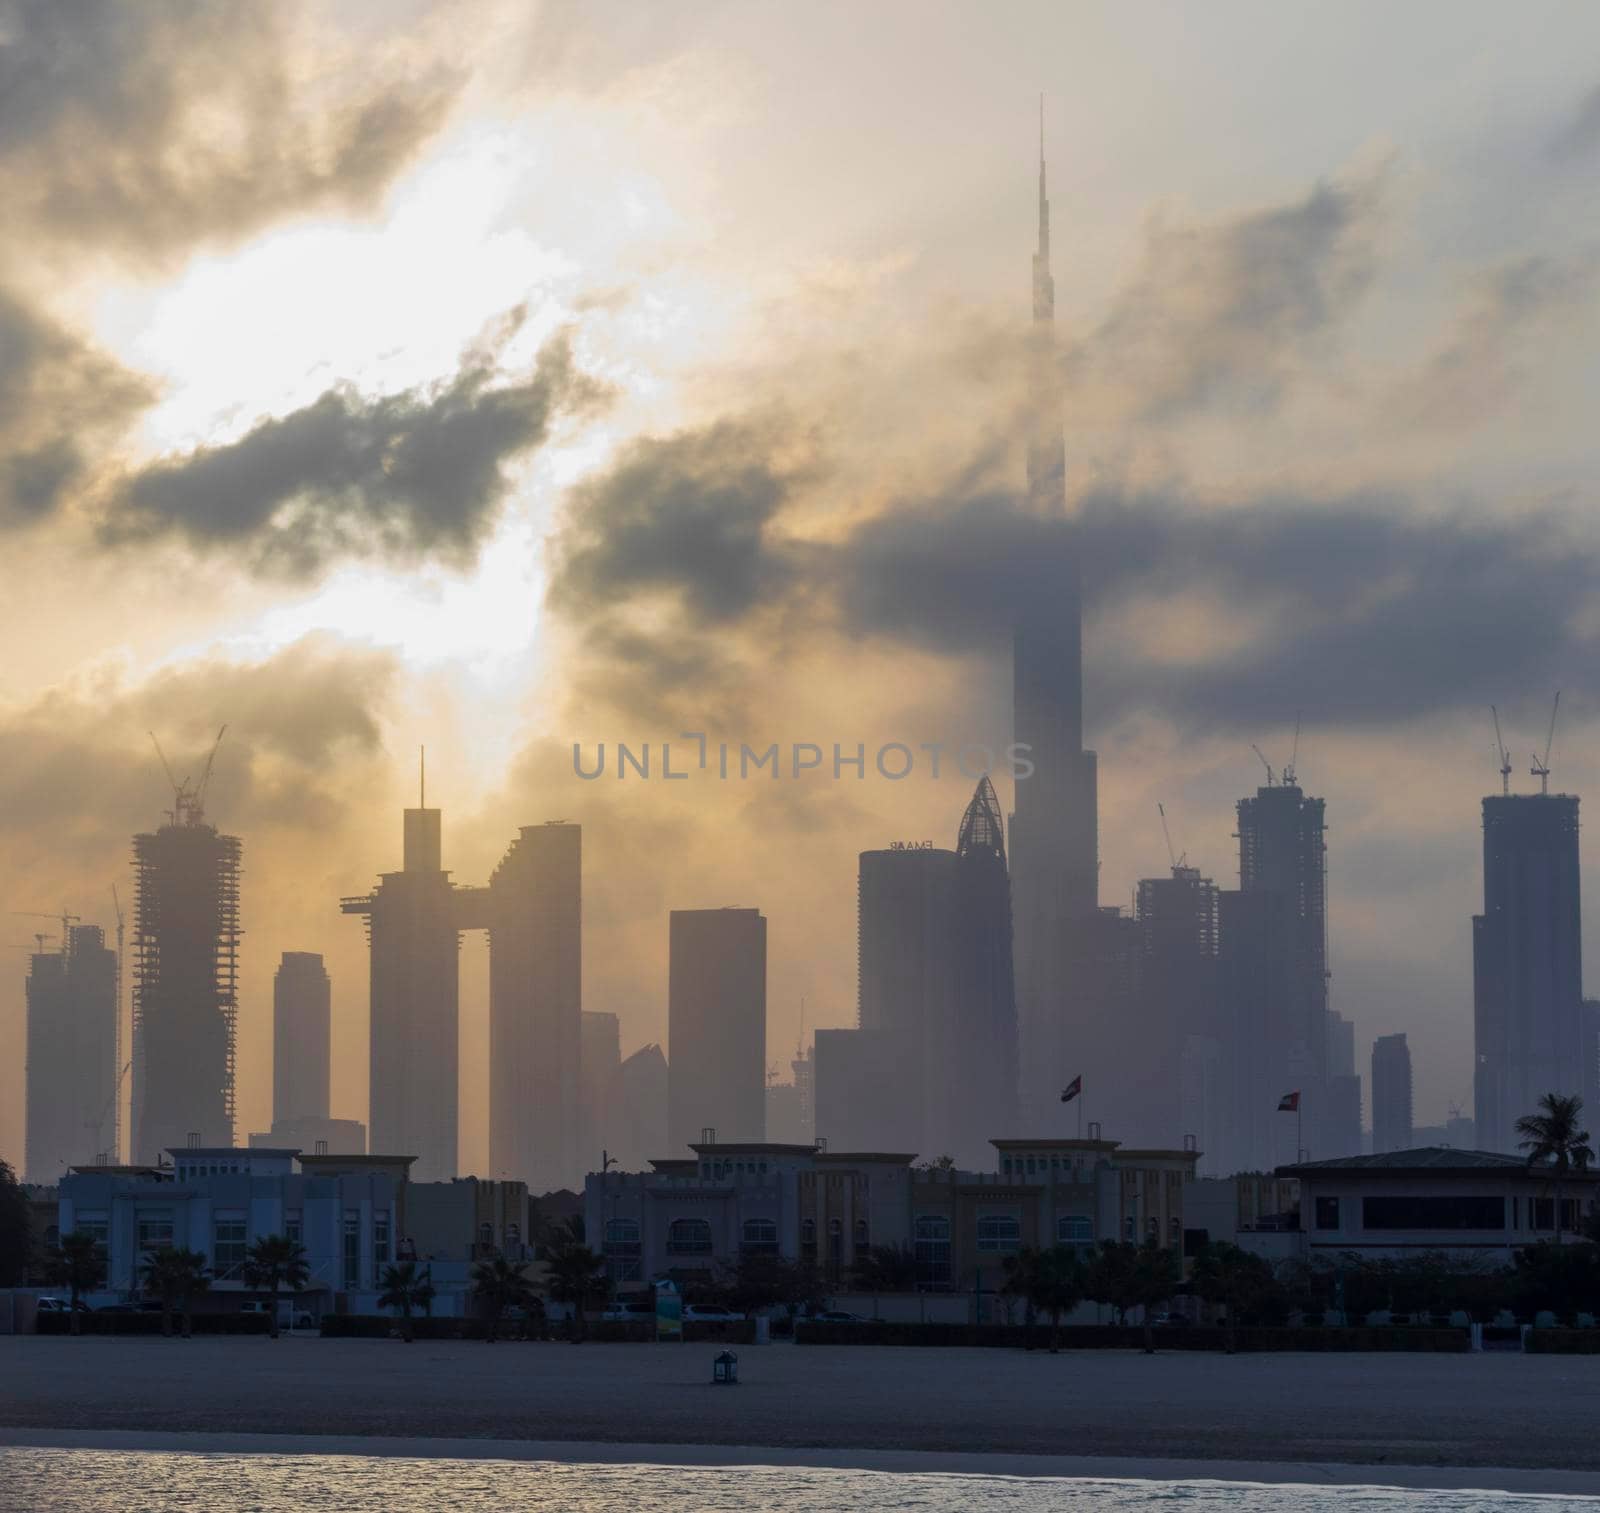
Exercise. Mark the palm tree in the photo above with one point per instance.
(405, 1288)
(1555, 1136)
(1051, 1280)
(78, 1265)
(273, 1260)
(1224, 1274)
(573, 1274)
(501, 1284)
(174, 1275)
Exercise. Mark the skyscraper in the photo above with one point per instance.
(717, 1025)
(1391, 1094)
(601, 1078)
(185, 985)
(72, 1073)
(1527, 961)
(643, 1076)
(302, 1029)
(536, 1008)
(1054, 829)
(413, 924)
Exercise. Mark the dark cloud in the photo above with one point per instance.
(1220, 315)
(57, 395)
(399, 476)
(1581, 135)
(148, 128)
(689, 516)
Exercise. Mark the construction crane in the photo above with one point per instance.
(198, 806)
(1264, 762)
(1505, 756)
(1173, 858)
(1294, 754)
(65, 918)
(1541, 765)
(188, 799)
(99, 1125)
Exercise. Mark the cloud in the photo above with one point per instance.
(401, 476)
(149, 128)
(1222, 316)
(57, 396)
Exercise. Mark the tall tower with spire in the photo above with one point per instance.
(1054, 831)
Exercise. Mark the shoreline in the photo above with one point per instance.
(1491, 1479)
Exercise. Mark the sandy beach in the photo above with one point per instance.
(1359, 1410)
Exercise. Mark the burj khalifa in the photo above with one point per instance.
(1054, 831)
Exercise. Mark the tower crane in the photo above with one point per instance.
(65, 918)
(1173, 859)
(1541, 765)
(99, 1125)
(1294, 754)
(1505, 756)
(1264, 762)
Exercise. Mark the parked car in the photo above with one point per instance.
(139, 1305)
(623, 1313)
(298, 1318)
(839, 1316)
(710, 1313)
(61, 1305)
(1170, 1319)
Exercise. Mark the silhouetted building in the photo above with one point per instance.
(185, 983)
(1527, 960)
(302, 1037)
(866, 1095)
(600, 1064)
(413, 927)
(314, 1136)
(72, 1073)
(536, 1008)
(644, 1078)
(717, 1025)
(1391, 1095)
(1343, 1126)
(1054, 829)
(783, 1114)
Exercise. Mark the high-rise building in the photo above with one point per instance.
(1342, 1126)
(536, 1009)
(1274, 961)
(302, 1037)
(644, 1077)
(1061, 1004)
(72, 1073)
(600, 1064)
(185, 983)
(1527, 959)
(1391, 1095)
(414, 920)
(717, 1025)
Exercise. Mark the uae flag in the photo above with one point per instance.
(1072, 1089)
(1289, 1103)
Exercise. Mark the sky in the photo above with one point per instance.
(500, 376)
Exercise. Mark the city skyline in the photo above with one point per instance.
(1233, 585)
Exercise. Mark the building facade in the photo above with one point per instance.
(302, 1037)
(1391, 1094)
(72, 1074)
(717, 1025)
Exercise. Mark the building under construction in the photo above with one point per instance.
(72, 1077)
(185, 979)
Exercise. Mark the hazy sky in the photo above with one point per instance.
(497, 376)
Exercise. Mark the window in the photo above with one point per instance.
(485, 1238)
(1127, 1229)
(861, 1234)
(622, 1249)
(1542, 1213)
(997, 1232)
(1005, 1165)
(1174, 1231)
(1453, 1211)
(1074, 1229)
(931, 1247)
(1152, 1229)
(689, 1237)
(380, 1240)
(808, 1239)
(293, 1228)
(1327, 1213)
(227, 1250)
(94, 1225)
(352, 1251)
(759, 1237)
(514, 1240)
(154, 1232)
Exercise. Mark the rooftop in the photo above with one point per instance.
(1435, 1159)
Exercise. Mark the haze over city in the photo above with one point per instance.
(497, 380)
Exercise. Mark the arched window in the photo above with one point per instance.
(931, 1247)
(485, 1237)
(808, 1239)
(1127, 1229)
(759, 1237)
(689, 1237)
(1153, 1228)
(621, 1249)
(1174, 1230)
(860, 1236)
(1074, 1229)
(513, 1237)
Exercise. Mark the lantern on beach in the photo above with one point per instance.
(725, 1369)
